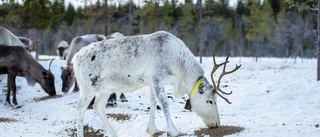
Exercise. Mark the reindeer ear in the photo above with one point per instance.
(62, 68)
(45, 74)
(188, 105)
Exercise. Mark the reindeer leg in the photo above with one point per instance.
(8, 102)
(112, 100)
(123, 98)
(14, 91)
(82, 105)
(152, 129)
(76, 87)
(158, 89)
(99, 106)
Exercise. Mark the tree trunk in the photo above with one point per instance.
(36, 45)
(130, 17)
(106, 17)
(318, 53)
(200, 31)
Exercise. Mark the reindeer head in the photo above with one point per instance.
(48, 82)
(204, 98)
(68, 78)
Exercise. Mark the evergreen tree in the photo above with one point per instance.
(38, 15)
(258, 25)
(70, 14)
(167, 15)
(9, 17)
(149, 20)
(241, 9)
(58, 12)
(187, 20)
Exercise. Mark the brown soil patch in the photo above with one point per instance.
(90, 132)
(218, 132)
(46, 98)
(7, 120)
(119, 117)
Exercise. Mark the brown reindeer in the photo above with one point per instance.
(17, 61)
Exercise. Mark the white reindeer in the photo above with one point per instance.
(62, 49)
(115, 35)
(129, 63)
(9, 39)
(67, 75)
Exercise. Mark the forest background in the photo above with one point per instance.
(255, 28)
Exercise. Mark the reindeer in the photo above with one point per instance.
(62, 49)
(77, 43)
(129, 63)
(67, 74)
(115, 35)
(9, 39)
(17, 61)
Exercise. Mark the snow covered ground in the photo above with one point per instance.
(272, 97)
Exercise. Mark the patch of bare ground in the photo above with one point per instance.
(218, 132)
(47, 98)
(90, 132)
(119, 117)
(7, 120)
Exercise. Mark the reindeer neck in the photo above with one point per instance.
(35, 69)
(193, 72)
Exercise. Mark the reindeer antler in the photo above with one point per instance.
(50, 64)
(224, 72)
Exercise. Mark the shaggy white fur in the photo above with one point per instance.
(128, 63)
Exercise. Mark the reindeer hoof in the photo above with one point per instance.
(123, 98)
(177, 135)
(111, 104)
(7, 104)
(156, 133)
(16, 106)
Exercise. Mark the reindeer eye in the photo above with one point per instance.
(69, 77)
(209, 101)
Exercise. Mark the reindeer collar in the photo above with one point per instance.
(188, 104)
(195, 87)
(69, 65)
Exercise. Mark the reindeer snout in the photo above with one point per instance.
(213, 125)
(65, 90)
(52, 93)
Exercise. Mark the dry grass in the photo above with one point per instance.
(7, 120)
(90, 132)
(218, 132)
(119, 117)
(46, 98)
